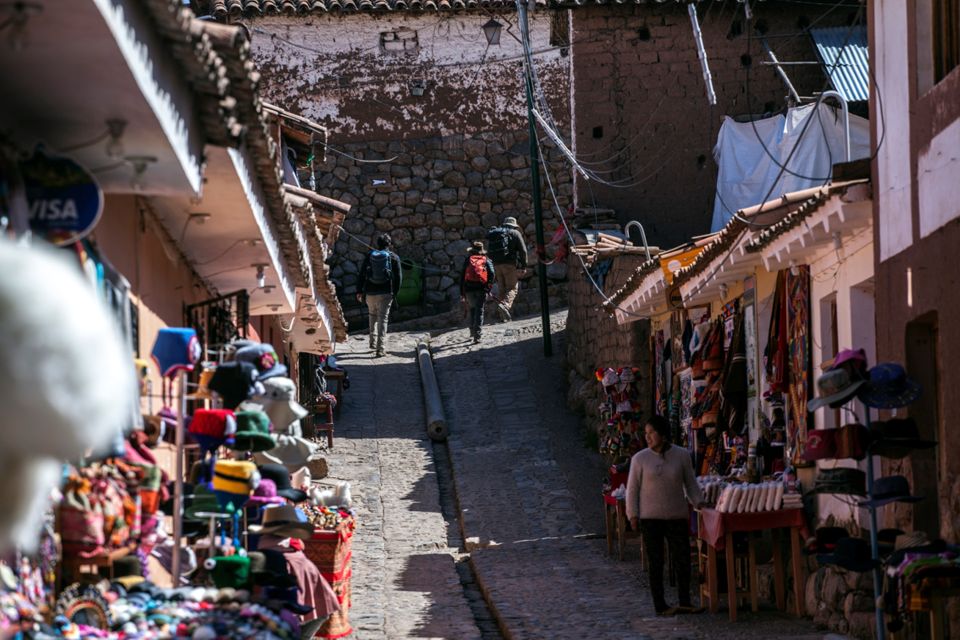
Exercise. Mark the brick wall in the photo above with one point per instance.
(636, 75)
(594, 339)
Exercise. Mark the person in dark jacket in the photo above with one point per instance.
(476, 279)
(380, 280)
(509, 258)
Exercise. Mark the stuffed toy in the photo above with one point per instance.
(69, 381)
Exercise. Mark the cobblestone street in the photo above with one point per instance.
(526, 496)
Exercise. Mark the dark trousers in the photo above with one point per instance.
(677, 535)
(475, 300)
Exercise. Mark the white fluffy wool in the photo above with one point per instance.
(67, 378)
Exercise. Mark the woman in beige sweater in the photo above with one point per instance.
(660, 484)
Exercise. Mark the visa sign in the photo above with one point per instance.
(65, 202)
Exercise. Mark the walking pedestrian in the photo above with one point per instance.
(476, 280)
(380, 279)
(508, 251)
(659, 485)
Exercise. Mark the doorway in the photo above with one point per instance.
(922, 362)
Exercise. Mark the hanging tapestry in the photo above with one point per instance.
(775, 353)
(686, 402)
(660, 388)
(798, 300)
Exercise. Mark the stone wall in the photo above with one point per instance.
(434, 197)
(594, 339)
(640, 99)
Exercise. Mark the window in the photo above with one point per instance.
(946, 37)
(400, 40)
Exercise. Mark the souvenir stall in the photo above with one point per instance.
(912, 574)
(241, 543)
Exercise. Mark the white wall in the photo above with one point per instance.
(938, 172)
(893, 189)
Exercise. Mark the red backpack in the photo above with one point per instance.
(477, 269)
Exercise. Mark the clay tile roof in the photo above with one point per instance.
(202, 67)
(805, 210)
(631, 284)
(236, 8)
(295, 239)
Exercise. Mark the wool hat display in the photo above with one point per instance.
(510, 221)
(852, 554)
(176, 349)
(229, 571)
(284, 521)
(279, 400)
(234, 382)
(889, 387)
(841, 480)
(834, 388)
(897, 438)
(890, 489)
(264, 358)
(253, 432)
(211, 427)
(69, 384)
(281, 478)
(234, 481)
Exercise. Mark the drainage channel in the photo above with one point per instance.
(489, 629)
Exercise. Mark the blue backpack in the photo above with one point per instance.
(381, 267)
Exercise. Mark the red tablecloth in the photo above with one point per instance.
(716, 524)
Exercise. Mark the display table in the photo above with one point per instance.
(716, 530)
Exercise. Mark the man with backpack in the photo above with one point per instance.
(476, 279)
(379, 282)
(508, 251)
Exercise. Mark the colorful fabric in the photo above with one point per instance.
(798, 301)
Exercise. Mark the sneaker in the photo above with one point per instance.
(476, 339)
(380, 353)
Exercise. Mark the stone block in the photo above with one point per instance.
(480, 163)
(454, 179)
(404, 184)
(473, 147)
(412, 197)
(440, 167)
(447, 196)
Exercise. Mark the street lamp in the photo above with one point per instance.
(492, 31)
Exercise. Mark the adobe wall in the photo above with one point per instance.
(594, 339)
(637, 77)
(434, 170)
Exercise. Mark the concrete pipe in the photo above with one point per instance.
(436, 422)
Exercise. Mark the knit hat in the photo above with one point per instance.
(229, 571)
(283, 521)
(279, 400)
(175, 349)
(234, 382)
(211, 427)
(264, 358)
(253, 432)
(234, 482)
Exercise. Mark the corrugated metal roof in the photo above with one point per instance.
(851, 75)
